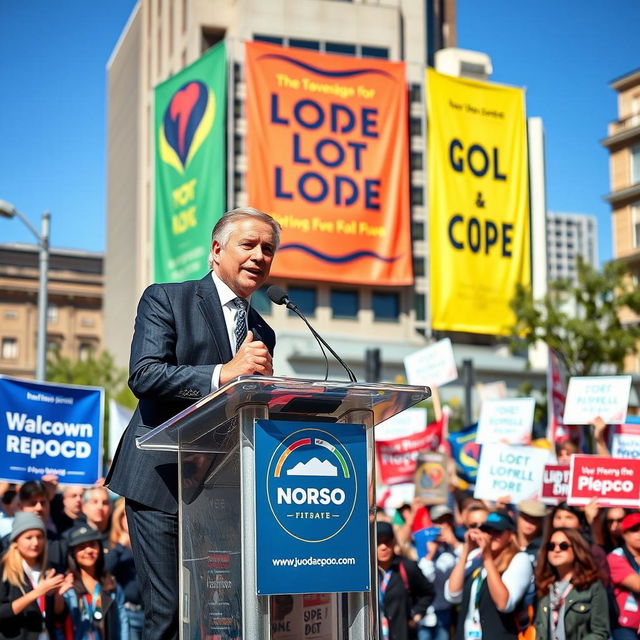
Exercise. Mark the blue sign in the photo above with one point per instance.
(50, 429)
(312, 525)
(466, 452)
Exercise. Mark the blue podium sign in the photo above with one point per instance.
(312, 526)
(50, 428)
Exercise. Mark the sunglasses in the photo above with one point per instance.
(474, 525)
(612, 520)
(563, 546)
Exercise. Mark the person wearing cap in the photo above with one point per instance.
(572, 599)
(30, 594)
(624, 565)
(490, 581)
(95, 603)
(441, 556)
(529, 524)
(404, 593)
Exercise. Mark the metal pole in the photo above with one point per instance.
(41, 362)
(467, 367)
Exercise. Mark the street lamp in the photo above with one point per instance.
(7, 210)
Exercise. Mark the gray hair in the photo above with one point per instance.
(86, 496)
(224, 227)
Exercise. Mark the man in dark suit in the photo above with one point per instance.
(189, 339)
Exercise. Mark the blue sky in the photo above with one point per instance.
(52, 115)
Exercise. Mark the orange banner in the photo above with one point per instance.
(327, 156)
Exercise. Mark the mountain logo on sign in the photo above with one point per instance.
(314, 467)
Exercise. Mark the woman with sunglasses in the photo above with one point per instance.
(572, 599)
(95, 604)
(490, 579)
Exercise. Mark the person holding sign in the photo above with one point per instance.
(572, 599)
(94, 603)
(27, 609)
(490, 579)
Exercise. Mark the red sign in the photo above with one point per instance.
(555, 483)
(397, 458)
(614, 481)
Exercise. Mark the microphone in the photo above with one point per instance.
(278, 296)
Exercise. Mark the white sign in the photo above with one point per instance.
(506, 421)
(625, 442)
(391, 497)
(592, 397)
(432, 366)
(515, 472)
(402, 424)
(492, 390)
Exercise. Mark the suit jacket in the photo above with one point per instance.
(179, 337)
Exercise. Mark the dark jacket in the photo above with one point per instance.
(400, 605)
(180, 335)
(586, 615)
(28, 624)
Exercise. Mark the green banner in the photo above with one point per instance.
(189, 127)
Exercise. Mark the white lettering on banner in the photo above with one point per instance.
(310, 496)
(33, 447)
(20, 422)
(605, 486)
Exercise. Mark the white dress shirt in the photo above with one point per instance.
(229, 311)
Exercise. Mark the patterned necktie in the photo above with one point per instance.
(241, 321)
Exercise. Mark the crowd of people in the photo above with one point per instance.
(67, 567)
(501, 571)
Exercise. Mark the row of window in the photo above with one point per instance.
(9, 349)
(345, 303)
(340, 48)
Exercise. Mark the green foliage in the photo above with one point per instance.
(94, 372)
(581, 322)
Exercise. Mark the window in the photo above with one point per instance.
(416, 160)
(260, 302)
(415, 126)
(87, 321)
(418, 266)
(375, 52)
(10, 314)
(340, 48)
(299, 43)
(258, 37)
(417, 230)
(420, 306)
(9, 348)
(635, 163)
(85, 351)
(635, 222)
(305, 299)
(386, 306)
(417, 195)
(52, 314)
(344, 304)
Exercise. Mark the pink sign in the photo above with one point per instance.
(555, 483)
(614, 481)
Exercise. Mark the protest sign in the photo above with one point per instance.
(311, 616)
(625, 441)
(491, 390)
(555, 483)
(50, 429)
(506, 421)
(433, 366)
(590, 397)
(402, 424)
(432, 482)
(465, 451)
(615, 482)
(510, 471)
(390, 497)
(422, 536)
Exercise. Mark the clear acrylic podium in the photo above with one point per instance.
(214, 439)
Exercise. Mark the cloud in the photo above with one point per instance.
(313, 468)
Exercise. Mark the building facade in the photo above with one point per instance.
(623, 144)
(163, 37)
(570, 235)
(75, 293)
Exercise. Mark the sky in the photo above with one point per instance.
(53, 58)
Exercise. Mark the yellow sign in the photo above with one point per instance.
(478, 203)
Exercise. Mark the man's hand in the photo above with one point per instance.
(252, 357)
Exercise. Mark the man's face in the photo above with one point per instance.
(243, 264)
(39, 505)
(72, 501)
(632, 538)
(97, 508)
(385, 549)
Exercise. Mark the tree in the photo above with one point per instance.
(94, 372)
(581, 323)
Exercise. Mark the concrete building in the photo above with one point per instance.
(570, 235)
(160, 39)
(623, 143)
(75, 325)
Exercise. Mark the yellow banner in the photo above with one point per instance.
(478, 203)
